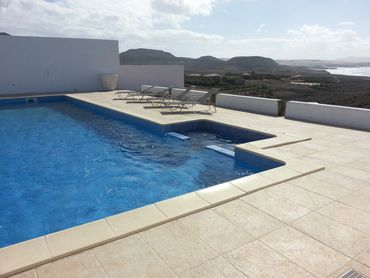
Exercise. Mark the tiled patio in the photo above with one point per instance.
(314, 226)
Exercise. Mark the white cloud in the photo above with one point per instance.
(260, 28)
(190, 7)
(133, 23)
(159, 24)
(347, 23)
(309, 41)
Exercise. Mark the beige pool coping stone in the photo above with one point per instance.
(29, 254)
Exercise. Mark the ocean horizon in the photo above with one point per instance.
(354, 71)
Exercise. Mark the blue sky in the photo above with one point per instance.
(284, 29)
(238, 19)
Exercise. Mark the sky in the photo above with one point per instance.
(280, 29)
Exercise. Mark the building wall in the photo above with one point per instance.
(133, 76)
(38, 65)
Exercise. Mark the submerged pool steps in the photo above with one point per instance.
(215, 148)
(178, 135)
(221, 150)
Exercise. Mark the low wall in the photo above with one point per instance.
(133, 76)
(267, 106)
(356, 118)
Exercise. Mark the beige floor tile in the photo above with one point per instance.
(359, 174)
(177, 246)
(257, 260)
(362, 164)
(341, 138)
(350, 216)
(364, 258)
(27, 274)
(215, 268)
(81, 265)
(281, 208)
(131, 257)
(252, 220)
(341, 180)
(304, 148)
(24, 254)
(310, 254)
(305, 165)
(320, 186)
(338, 155)
(280, 174)
(344, 239)
(216, 231)
(300, 196)
(357, 200)
(365, 190)
(327, 164)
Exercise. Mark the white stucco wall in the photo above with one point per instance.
(356, 118)
(37, 64)
(267, 106)
(133, 76)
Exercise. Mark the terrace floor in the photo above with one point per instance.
(314, 226)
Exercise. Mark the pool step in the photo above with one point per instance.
(178, 135)
(221, 150)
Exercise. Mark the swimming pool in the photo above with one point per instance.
(64, 163)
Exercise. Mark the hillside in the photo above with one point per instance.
(207, 64)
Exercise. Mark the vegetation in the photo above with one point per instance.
(262, 77)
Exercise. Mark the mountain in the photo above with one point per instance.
(253, 63)
(4, 34)
(142, 56)
(204, 64)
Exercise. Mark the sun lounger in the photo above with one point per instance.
(147, 96)
(169, 99)
(206, 99)
(131, 94)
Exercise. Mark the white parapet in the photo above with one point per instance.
(267, 106)
(350, 117)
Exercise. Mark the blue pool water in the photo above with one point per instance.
(61, 166)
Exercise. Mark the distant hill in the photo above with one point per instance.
(204, 64)
(4, 34)
(253, 63)
(146, 56)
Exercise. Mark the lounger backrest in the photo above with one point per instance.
(184, 95)
(207, 96)
(147, 89)
(153, 89)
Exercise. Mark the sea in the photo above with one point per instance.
(355, 71)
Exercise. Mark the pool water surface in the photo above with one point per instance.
(62, 166)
